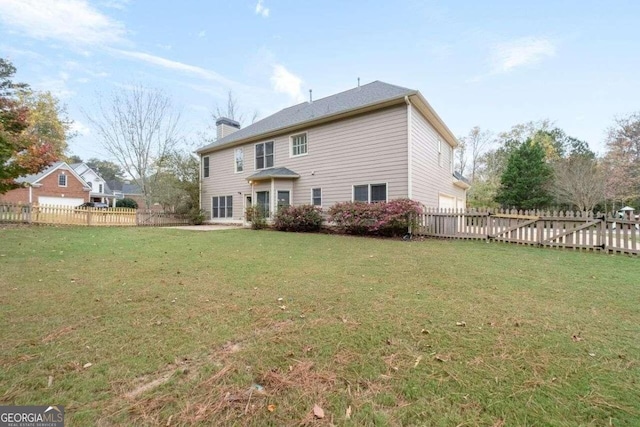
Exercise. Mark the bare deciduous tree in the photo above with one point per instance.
(139, 128)
(232, 111)
(579, 180)
(474, 145)
(623, 159)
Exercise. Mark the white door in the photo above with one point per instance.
(60, 201)
(446, 202)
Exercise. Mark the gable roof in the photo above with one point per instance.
(369, 94)
(34, 178)
(273, 173)
(124, 188)
(77, 166)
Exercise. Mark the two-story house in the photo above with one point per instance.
(100, 192)
(376, 142)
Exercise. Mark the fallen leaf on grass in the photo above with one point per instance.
(348, 414)
(87, 365)
(318, 411)
(441, 358)
(271, 408)
(417, 361)
(576, 338)
(50, 381)
(461, 323)
(425, 331)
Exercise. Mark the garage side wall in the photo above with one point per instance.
(432, 166)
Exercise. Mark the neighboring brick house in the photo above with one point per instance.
(376, 142)
(57, 185)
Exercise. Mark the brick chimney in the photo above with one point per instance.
(225, 127)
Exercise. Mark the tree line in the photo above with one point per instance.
(533, 165)
(536, 165)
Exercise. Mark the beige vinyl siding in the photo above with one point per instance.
(224, 181)
(366, 149)
(429, 179)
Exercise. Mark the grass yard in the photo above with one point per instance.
(187, 328)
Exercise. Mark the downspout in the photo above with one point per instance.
(30, 194)
(200, 183)
(409, 149)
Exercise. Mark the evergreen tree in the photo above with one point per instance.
(524, 184)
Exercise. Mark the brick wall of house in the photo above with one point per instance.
(19, 195)
(50, 187)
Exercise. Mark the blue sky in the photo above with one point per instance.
(487, 63)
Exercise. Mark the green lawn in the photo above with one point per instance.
(187, 328)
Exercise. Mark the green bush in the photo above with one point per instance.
(196, 216)
(256, 215)
(127, 203)
(392, 218)
(303, 218)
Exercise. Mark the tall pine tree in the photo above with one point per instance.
(525, 182)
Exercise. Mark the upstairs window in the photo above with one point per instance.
(239, 159)
(299, 144)
(205, 167)
(264, 155)
(100, 188)
(62, 180)
(370, 193)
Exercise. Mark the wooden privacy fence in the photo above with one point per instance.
(47, 214)
(158, 219)
(558, 229)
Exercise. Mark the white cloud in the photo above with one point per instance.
(72, 21)
(521, 52)
(115, 4)
(175, 65)
(261, 9)
(202, 34)
(80, 128)
(284, 81)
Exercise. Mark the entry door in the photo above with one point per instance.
(283, 198)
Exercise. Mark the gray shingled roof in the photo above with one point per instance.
(30, 179)
(273, 173)
(369, 94)
(124, 188)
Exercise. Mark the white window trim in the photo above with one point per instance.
(321, 196)
(209, 167)
(306, 134)
(235, 164)
(386, 191)
(255, 158)
(225, 207)
(66, 179)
